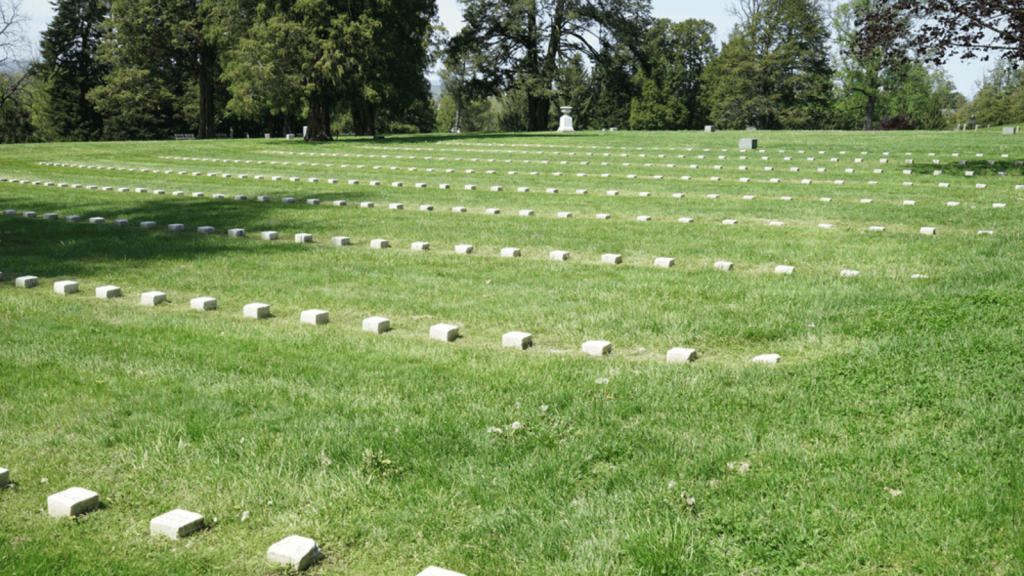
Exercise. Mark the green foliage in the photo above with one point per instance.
(16, 124)
(136, 105)
(669, 77)
(774, 70)
(70, 69)
(1000, 97)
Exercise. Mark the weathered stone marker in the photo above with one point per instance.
(376, 324)
(521, 340)
(510, 253)
(341, 241)
(153, 298)
(928, 231)
(203, 303)
(848, 273)
(256, 310)
(295, 552)
(26, 281)
(72, 502)
(611, 258)
(176, 524)
(379, 244)
(723, 266)
(681, 356)
(767, 359)
(783, 269)
(664, 262)
(268, 235)
(65, 287)
(302, 238)
(597, 347)
(444, 332)
(314, 317)
(435, 571)
(108, 292)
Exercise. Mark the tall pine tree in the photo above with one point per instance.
(69, 69)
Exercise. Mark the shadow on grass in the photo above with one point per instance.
(48, 248)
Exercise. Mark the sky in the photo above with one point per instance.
(965, 74)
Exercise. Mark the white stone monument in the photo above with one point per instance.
(565, 122)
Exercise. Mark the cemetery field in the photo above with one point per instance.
(887, 439)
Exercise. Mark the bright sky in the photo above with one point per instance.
(965, 73)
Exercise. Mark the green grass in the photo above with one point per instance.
(377, 446)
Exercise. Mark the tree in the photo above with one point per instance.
(774, 70)
(362, 54)
(864, 76)
(176, 43)
(69, 69)
(675, 55)
(523, 41)
(942, 28)
(14, 46)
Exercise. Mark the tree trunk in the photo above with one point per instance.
(207, 121)
(319, 121)
(537, 110)
(364, 117)
(457, 129)
(869, 114)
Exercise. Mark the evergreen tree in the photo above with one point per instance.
(674, 57)
(69, 69)
(774, 71)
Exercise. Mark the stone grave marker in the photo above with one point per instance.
(203, 303)
(153, 298)
(611, 258)
(379, 244)
(26, 281)
(510, 253)
(72, 502)
(463, 248)
(559, 255)
(256, 310)
(597, 347)
(108, 292)
(723, 266)
(783, 269)
(444, 332)
(376, 324)
(520, 340)
(848, 273)
(176, 524)
(664, 262)
(65, 287)
(314, 317)
(294, 552)
(767, 359)
(681, 356)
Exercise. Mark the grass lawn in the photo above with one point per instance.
(888, 440)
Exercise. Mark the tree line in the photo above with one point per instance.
(148, 69)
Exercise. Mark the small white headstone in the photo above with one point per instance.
(420, 246)
(510, 253)
(97, 220)
(176, 524)
(559, 255)
(459, 209)
(203, 303)
(848, 273)
(464, 249)
(526, 212)
(396, 206)
(314, 317)
(928, 231)
(65, 287)
(108, 292)
(877, 228)
(295, 552)
(444, 332)
(379, 244)
(766, 359)
(597, 347)
(611, 258)
(643, 218)
(256, 310)
(366, 204)
(729, 222)
(783, 269)
(26, 281)
(521, 340)
(493, 211)
(153, 298)
(723, 266)
(72, 502)
(604, 216)
(664, 262)
(376, 324)
(340, 241)
(681, 356)
(435, 571)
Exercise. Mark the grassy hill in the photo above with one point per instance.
(887, 440)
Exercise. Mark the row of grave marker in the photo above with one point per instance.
(315, 201)
(294, 552)
(499, 188)
(380, 325)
